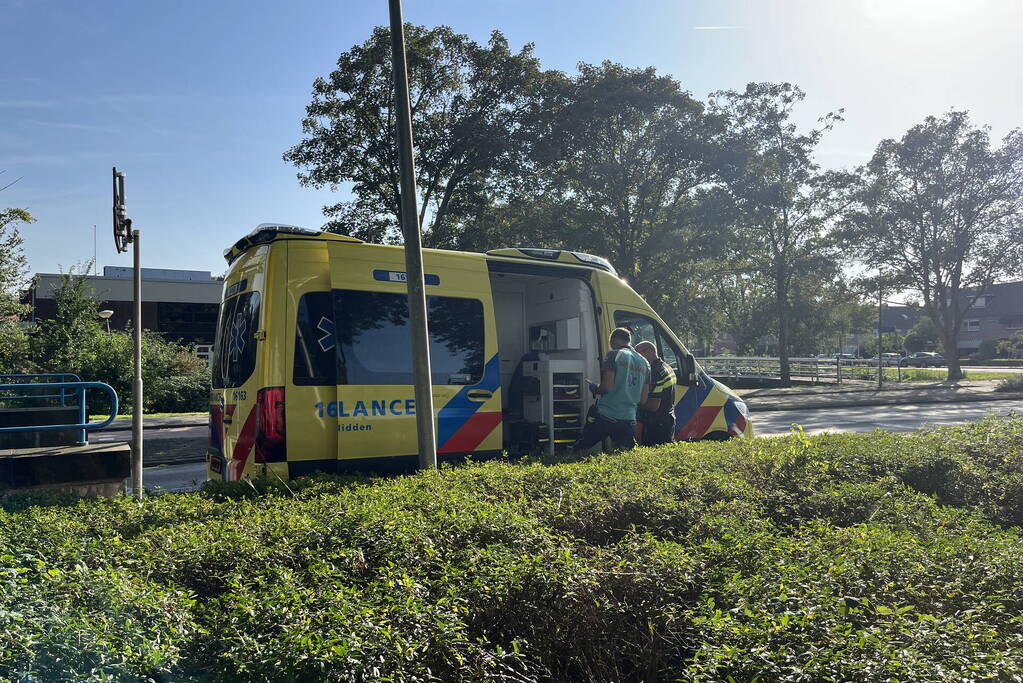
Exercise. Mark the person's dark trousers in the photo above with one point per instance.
(598, 428)
(657, 429)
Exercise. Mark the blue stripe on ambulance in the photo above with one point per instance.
(459, 409)
(692, 398)
(731, 412)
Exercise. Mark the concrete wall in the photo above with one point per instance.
(153, 289)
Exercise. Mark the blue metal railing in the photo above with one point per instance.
(39, 380)
(76, 389)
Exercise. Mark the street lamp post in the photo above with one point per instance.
(123, 236)
(416, 287)
(105, 315)
(880, 337)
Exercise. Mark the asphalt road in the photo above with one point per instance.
(893, 418)
(902, 418)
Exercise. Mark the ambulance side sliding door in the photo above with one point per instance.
(375, 411)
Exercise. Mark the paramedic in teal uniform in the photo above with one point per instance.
(624, 385)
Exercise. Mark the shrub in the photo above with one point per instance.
(986, 351)
(1011, 383)
(833, 557)
(174, 379)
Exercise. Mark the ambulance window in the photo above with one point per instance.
(642, 328)
(645, 329)
(235, 350)
(373, 338)
(669, 355)
(315, 344)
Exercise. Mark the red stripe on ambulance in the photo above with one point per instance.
(699, 423)
(472, 433)
(243, 446)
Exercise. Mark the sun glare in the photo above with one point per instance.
(919, 11)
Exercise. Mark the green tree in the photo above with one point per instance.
(74, 341)
(943, 209)
(890, 343)
(625, 171)
(1010, 348)
(626, 158)
(923, 336)
(825, 306)
(784, 203)
(13, 272)
(470, 108)
(64, 343)
(987, 350)
(746, 311)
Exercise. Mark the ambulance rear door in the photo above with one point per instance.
(375, 408)
(238, 366)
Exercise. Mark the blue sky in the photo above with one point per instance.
(197, 101)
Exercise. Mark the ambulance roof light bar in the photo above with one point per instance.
(268, 232)
(562, 255)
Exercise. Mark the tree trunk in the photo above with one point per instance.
(955, 371)
(781, 297)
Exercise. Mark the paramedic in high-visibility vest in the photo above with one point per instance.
(624, 385)
(657, 415)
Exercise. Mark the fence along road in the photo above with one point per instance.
(807, 369)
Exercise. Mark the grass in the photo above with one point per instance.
(834, 557)
(926, 374)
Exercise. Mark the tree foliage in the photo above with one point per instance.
(13, 272)
(61, 343)
(890, 343)
(784, 203)
(923, 336)
(943, 208)
(717, 213)
(627, 172)
(628, 154)
(74, 341)
(470, 104)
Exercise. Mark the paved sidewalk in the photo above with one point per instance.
(790, 398)
(826, 396)
(165, 422)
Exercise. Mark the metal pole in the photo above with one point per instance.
(880, 346)
(136, 386)
(83, 436)
(413, 247)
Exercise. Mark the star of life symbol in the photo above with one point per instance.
(237, 344)
(328, 340)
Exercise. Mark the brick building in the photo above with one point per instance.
(998, 314)
(180, 304)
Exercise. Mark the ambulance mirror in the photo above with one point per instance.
(689, 377)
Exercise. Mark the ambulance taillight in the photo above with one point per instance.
(270, 444)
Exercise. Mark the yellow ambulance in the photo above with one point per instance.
(312, 364)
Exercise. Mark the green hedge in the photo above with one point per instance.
(994, 362)
(843, 557)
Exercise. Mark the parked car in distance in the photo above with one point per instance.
(844, 358)
(924, 359)
(887, 359)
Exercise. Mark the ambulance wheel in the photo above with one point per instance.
(717, 436)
